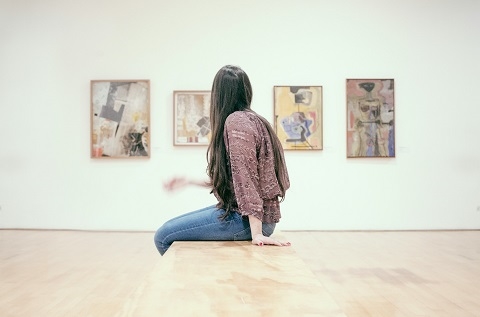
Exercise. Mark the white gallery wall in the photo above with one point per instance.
(51, 49)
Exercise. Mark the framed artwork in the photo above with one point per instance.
(298, 117)
(120, 118)
(191, 117)
(370, 118)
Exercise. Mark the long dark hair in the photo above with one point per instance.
(232, 91)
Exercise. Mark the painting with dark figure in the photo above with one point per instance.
(370, 118)
(120, 118)
(298, 117)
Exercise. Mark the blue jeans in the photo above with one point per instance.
(205, 225)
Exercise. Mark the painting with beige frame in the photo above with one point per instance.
(370, 118)
(120, 118)
(298, 117)
(191, 117)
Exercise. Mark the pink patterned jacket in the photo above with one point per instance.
(252, 165)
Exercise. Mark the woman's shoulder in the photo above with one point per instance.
(244, 121)
(240, 117)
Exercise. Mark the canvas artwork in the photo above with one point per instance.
(191, 117)
(370, 118)
(120, 118)
(298, 117)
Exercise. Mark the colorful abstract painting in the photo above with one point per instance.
(298, 117)
(120, 118)
(191, 117)
(370, 118)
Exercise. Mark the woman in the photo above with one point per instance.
(247, 172)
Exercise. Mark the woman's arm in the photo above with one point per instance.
(257, 236)
(177, 183)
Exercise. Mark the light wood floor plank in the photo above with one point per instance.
(76, 273)
(434, 273)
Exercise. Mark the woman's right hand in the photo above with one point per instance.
(175, 184)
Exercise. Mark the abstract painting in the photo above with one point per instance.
(191, 117)
(298, 117)
(370, 118)
(120, 118)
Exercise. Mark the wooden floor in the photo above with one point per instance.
(81, 273)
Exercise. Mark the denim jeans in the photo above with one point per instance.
(205, 225)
